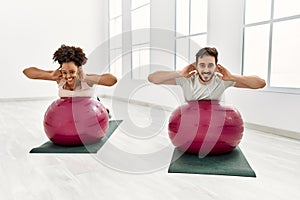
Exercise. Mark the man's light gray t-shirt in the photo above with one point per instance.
(194, 90)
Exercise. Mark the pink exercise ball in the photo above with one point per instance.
(75, 121)
(205, 127)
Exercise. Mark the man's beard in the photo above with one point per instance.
(208, 78)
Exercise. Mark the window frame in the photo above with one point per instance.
(270, 22)
(135, 46)
(189, 36)
(110, 48)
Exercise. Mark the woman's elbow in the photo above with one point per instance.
(111, 81)
(114, 81)
(27, 73)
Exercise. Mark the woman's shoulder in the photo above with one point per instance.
(61, 82)
(86, 84)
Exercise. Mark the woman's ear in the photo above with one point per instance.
(79, 69)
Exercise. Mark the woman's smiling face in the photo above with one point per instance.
(70, 73)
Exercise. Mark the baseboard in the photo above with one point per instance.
(138, 102)
(27, 99)
(275, 131)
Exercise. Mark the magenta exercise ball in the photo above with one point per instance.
(205, 127)
(75, 121)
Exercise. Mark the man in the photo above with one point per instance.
(205, 79)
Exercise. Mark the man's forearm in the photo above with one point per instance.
(253, 82)
(161, 77)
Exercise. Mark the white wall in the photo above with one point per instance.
(30, 33)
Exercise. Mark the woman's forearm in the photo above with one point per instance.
(104, 79)
(35, 73)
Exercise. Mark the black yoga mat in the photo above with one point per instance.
(233, 163)
(50, 147)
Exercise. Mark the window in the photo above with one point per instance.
(271, 42)
(115, 35)
(140, 26)
(191, 30)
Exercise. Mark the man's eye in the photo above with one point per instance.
(64, 73)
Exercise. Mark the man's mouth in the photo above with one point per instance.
(206, 73)
(205, 76)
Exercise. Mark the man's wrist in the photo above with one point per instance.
(178, 74)
(234, 78)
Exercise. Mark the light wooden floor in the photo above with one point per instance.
(133, 164)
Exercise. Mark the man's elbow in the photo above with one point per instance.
(262, 84)
(152, 79)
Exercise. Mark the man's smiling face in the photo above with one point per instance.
(206, 66)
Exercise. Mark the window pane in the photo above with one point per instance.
(115, 8)
(116, 62)
(141, 25)
(198, 16)
(115, 26)
(286, 41)
(115, 32)
(140, 62)
(138, 3)
(181, 63)
(140, 18)
(182, 17)
(256, 50)
(196, 43)
(257, 10)
(182, 53)
(285, 8)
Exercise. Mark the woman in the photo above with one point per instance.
(69, 76)
(71, 80)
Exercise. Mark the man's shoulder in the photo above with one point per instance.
(185, 80)
(219, 80)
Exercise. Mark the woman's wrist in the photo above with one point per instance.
(90, 78)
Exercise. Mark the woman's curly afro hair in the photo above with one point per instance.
(69, 54)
